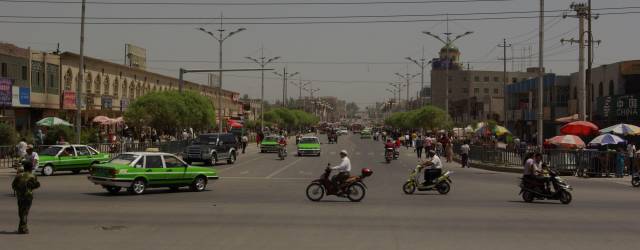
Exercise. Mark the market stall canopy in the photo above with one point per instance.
(622, 129)
(607, 139)
(102, 120)
(53, 121)
(568, 119)
(497, 130)
(579, 128)
(567, 141)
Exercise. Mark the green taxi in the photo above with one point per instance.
(269, 144)
(309, 145)
(74, 158)
(365, 134)
(138, 171)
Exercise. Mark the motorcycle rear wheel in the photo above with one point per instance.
(443, 187)
(409, 187)
(635, 182)
(356, 192)
(565, 197)
(315, 192)
(528, 196)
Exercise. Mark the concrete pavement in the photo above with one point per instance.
(259, 203)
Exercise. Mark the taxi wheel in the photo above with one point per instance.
(138, 186)
(47, 170)
(199, 184)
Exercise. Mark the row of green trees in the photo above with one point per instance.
(428, 118)
(169, 111)
(289, 118)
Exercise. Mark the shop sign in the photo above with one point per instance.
(69, 100)
(21, 96)
(618, 107)
(106, 103)
(5, 92)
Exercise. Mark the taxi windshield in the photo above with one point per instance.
(124, 159)
(309, 140)
(51, 151)
(271, 139)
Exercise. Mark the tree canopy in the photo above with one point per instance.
(428, 117)
(290, 118)
(169, 111)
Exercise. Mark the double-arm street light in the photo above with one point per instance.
(284, 76)
(300, 85)
(448, 42)
(422, 64)
(262, 61)
(312, 91)
(221, 37)
(407, 77)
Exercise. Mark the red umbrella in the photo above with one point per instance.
(579, 128)
(567, 141)
(236, 125)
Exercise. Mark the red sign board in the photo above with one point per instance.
(69, 100)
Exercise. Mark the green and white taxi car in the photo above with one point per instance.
(309, 145)
(138, 171)
(74, 158)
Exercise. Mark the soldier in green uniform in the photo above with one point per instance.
(24, 184)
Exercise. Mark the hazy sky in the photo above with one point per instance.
(350, 61)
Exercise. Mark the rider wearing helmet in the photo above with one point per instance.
(434, 167)
(344, 170)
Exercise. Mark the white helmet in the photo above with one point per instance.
(344, 152)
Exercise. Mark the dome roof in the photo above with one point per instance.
(450, 48)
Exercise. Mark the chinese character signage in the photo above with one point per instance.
(615, 108)
(5, 92)
(69, 100)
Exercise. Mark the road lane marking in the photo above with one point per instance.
(244, 172)
(283, 168)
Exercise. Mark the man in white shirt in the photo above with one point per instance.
(32, 157)
(344, 170)
(464, 153)
(433, 167)
(631, 153)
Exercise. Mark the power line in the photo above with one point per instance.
(247, 4)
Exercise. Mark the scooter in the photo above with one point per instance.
(353, 188)
(282, 153)
(635, 180)
(534, 190)
(442, 184)
(388, 154)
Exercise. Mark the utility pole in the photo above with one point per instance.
(504, 46)
(262, 61)
(540, 114)
(221, 37)
(590, 42)
(422, 63)
(407, 77)
(284, 76)
(398, 89)
(80, 76)
(300, 85)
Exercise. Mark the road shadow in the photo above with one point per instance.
(3, 232)
(125, 193)
(426, 194)
(538, 202)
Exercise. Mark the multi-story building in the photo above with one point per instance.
(473, 94)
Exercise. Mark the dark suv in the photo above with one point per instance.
(211, 148)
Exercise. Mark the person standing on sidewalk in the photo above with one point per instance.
(631, 154)
(244, 140)
(23, 185)
(419, 146)
(464, 154)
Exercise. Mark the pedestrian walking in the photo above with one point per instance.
(244, 140)
(23, 185)
(419, 146)
(32, 156)
(464, 154)
(631, 155)
(407, 140)
(22, 148)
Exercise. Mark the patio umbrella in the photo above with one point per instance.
(500, 130)
(607, 139)
(119, 120)
(53, 121)
(236, 125)
(622, 129)
(102, 120)
(579, 128)
(567, 141)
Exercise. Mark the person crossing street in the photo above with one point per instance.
(23, 185)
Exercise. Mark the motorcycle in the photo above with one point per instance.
(442, 184)
(282, 153)
(535, 190)
(333, 138)
(388, 154)
(353, 188)
(635, 180)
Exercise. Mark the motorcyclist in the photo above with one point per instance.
(389, 145)
(343, 169)
(533, 171)
(282, 141)
(433, 166)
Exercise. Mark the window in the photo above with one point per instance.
(153, 161)
(106, 85)
(88, 82)
(600, 90)
(465, 90)
(53, 81)
(575, 92)
(476, 91)
(496, 91)
(37, 76)
(25, 73)
(496, 79)
(98, 85)
(611, 88)
(115, 87)
(486, 78)
(83, 151)
(476, 78)
(4, 71)
(173, 162)
(486, 90)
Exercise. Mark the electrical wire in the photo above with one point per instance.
(246, 4)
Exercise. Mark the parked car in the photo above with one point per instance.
(309, 145)
(211, 148)
(269, 144)
(74, 158)
(138, 171)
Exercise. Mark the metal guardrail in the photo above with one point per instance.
(9, 154)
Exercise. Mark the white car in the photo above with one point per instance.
(343, 131)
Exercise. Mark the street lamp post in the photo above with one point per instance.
(422, 63)
(448, 42)
(221, 37)
(262, 61)
(407, 77)
(80, 77)
(284, 76)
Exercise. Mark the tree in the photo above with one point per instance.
(290, 118)
(428, 117)
(8, 133)
(352, 109)
(169, 111)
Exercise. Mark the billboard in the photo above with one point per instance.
(623, 107)
(69, 100)
(6, 85)
(137, 56)
(21, 96)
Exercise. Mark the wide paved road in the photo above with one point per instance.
(260, 204)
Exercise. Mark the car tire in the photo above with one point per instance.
(232, 159)
(199, 184)
(113, 189)
(47, 170)
(138, 186)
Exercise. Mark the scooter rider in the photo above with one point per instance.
(344, 170)
(282, 141)
(533, 171)
(433, 166)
